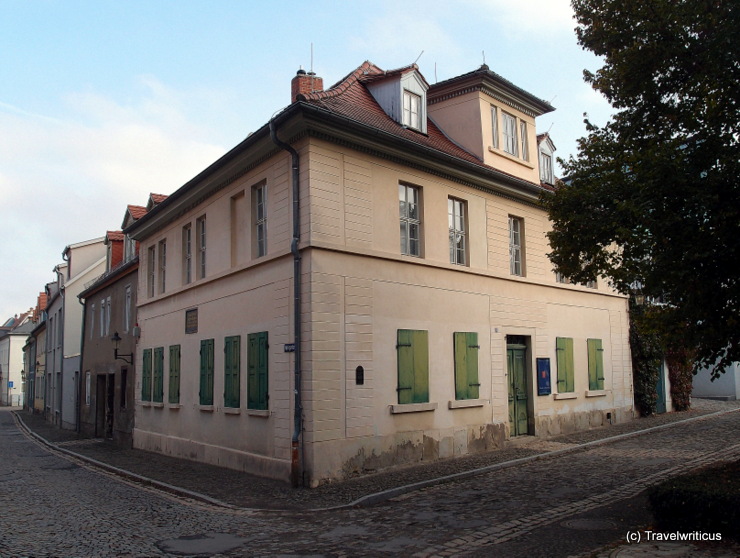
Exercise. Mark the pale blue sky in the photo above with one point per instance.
(102, 102)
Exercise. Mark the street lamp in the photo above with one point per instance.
(129, 358)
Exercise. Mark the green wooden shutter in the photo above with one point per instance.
(174, 379)
(413, 366)
(232, 369)
(257, 371)
(595, 364)
(206, 372)
(158, 396)
(146, 376)
(564, 347)
(466, 365)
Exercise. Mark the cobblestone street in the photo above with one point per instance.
(563, 504)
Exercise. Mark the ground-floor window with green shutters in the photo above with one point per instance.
(413, 366)
(257, 371)
(564, 349)
(595, 364)
(206, 372)
(158, 396)
(174, 379)
(146, 375)
(232, 371)
(466, 365)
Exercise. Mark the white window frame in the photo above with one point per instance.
(457, 222)
(162, 265)
(410, 220)
(187, 254)
(102, 317)
(92, 320)
(412, 110)
(151, 270)
(494, 126)
(516, 246)
(259, 216)
(107, 315)
(524, 140)
(511, 141)
(546, 171)
(127, 309)
(200, 226)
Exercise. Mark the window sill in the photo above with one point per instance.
(157, 404)
(174, 406)
(466, 403)
(595, 393)
(511, 157)
(232, 411)
(565, 396)
(206, 408)
(412, 408)
(146, 403)
(264, 413)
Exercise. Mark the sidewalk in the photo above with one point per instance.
(236, 489)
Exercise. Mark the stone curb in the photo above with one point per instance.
(369, 499)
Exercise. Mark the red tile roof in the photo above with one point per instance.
(158, 198)
(136, 211)
(350, 98)
(114, 235)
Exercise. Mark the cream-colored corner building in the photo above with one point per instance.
(429, 322)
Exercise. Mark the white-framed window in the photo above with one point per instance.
(516, 245)
(510, 136)
(457, 220)
(107, 315)
(411, 110)
(162, 265)
(494, 126)
(129, 248)
(92, 320)
(127, 309)
(151, 271)
(410, 218)
(546, 174)
(187, 254)
(200, 227)
(102, 318)
(259, 219)
(524, 140)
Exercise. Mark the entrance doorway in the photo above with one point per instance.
(105, 390)
(516, 356)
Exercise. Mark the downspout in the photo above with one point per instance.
(60, 387)
(82, 353)
(296, 469)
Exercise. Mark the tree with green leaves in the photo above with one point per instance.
(652, 199)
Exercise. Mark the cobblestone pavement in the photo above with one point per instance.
(567, 502)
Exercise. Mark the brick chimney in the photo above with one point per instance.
(304, 83)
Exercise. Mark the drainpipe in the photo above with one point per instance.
(60, 387)
(296, 473)
(78, 406)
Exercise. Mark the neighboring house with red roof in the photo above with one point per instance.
(363, 283)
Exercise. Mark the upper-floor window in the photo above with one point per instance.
(92, 321)
(151, 271)
(516, 245)
(200, 225)
(546, 174)
(411, 110)
(187, 254)
(259, 219)
(129, 248)
(456, 213)
(410, 217)
(524, 140)
(510, 135)
(494, 126)
(162, 265)
(127, 309)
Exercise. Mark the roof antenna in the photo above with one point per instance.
(312, 57)
(483, 52)
(417, 58)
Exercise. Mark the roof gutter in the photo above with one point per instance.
(296, 463)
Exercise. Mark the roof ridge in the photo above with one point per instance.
(343, 84)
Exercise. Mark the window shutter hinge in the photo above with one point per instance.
(403, 345)
(402, 388)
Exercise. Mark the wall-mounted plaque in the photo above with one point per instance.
(191, 320)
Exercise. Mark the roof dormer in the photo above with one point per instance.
(546, 150)
(402, 94)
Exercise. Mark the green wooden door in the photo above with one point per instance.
(518, 418)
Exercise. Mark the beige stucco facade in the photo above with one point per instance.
(360, 293)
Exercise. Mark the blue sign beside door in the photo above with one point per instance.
(543, 376)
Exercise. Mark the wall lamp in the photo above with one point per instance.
(125, 358)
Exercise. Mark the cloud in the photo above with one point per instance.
(64, 179)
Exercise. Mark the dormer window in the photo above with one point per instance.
(546, 168)
(411, 110)
(510, 135)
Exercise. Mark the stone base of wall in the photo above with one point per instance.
(555, 425)
(337, 460)
(214, 455)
